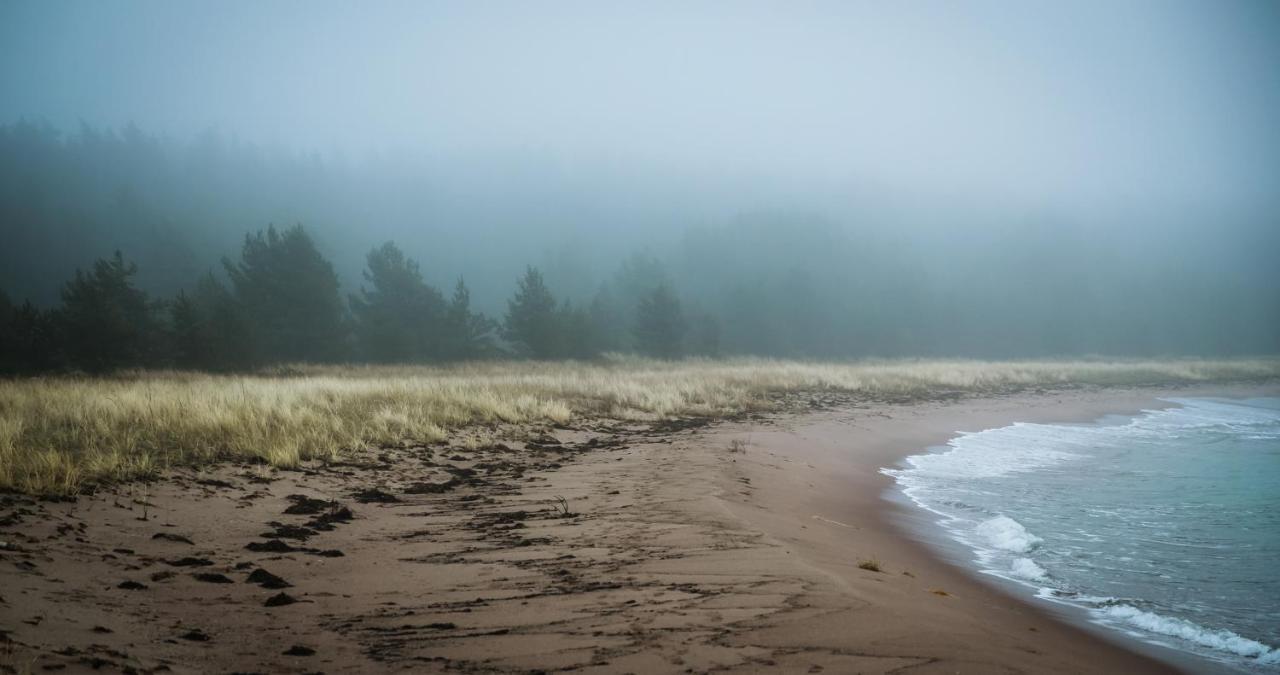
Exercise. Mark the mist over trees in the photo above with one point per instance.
(202, 280)
(659, 325)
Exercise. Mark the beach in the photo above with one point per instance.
(761, 543)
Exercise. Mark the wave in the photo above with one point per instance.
(1028, 569)
(987, 454)
(1220, 640)
(1007, 534)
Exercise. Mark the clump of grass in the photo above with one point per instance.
(61, 435)
(737, 446)
(870, 565)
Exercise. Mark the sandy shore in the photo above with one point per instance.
(685, 548)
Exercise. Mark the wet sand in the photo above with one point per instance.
(686, 548)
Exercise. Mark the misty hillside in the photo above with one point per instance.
(871, 281)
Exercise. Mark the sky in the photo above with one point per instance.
(1158, 105)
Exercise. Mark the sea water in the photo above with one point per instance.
(1165, 526)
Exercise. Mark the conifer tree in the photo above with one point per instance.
(208, 329)
(467, 334)
(608, 326)
(531, 323)
(106, 322)
(288, 292)
(577, 340)
(399, 318)
(660, 326)
(29, 339)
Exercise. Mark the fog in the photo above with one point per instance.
(812, 179)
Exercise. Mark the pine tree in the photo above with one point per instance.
(607, 323)
(467, 334)
(660, 325)
(531, 322)
(289, 295)
(107, 323)
(209, 331)
(400, 318)
(636, 277)
(577, 340)
(8, 334)
(31, 341)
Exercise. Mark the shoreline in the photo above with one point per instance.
(904, 535)
(602, 547)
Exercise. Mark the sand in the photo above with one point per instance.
(685, 548)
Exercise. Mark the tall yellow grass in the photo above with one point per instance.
(62, 435)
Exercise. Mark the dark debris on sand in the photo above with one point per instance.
(165, 536)
(374, 496)
(308, 506)
(279, 600)
(277, 546)
(283, 531)
(266, 579)
(189, 561)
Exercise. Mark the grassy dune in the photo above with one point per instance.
(63, 435)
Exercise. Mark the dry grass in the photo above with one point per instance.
(60, 435)
(870, 565)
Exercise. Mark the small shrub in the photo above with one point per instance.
(870, 565)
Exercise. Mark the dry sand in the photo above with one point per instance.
(687, 548)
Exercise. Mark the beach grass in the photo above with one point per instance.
(870, 565)
(62, 435)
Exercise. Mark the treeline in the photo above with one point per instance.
(856, 281)
(281, 303)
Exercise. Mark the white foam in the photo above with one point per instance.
(1007, 534)
(1221, 640)
(991, 453)
(1028, 569)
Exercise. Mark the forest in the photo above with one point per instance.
(124, 250)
